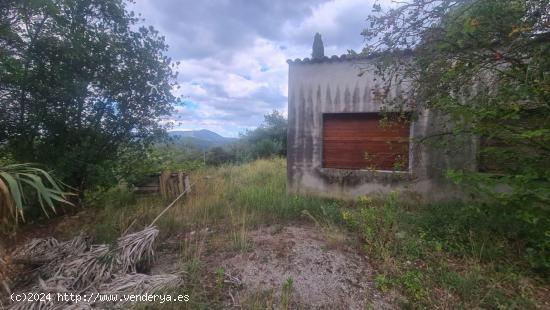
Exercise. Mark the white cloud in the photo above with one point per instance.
(237, 86)
(233, 55)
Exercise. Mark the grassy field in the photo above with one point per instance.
(230, 196)
(448, 255)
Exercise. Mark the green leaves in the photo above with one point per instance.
(22, 186)
(79, 83)
(485, 66)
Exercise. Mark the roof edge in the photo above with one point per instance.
(345, 57)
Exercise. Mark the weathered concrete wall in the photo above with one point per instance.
(335, 87)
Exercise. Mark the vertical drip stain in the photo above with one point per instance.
(347, 98)
(328, 98)
(291, 136)
(317, 112)
(317, 106)
(366, 95)
(337, 98)
(308, 130)
(356, 98)
(319, 101)
(300, 128)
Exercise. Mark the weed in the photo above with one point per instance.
(220, 273)
(334, 236)
(413, 282)
(456, 254)
(264, 299)
(286, 293)
(382, 282)
(239, 234)
(192, 248)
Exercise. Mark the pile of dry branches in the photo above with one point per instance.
(4, 268)
(76, 266)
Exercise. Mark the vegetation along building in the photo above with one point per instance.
(341, 144)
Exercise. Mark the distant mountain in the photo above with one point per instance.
(203, 139)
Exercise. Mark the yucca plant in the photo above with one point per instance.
(19, 184)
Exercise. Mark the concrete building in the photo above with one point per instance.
(338, 145)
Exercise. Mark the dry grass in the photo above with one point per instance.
(418, 257)
(225, 204)
(334, 235)
(229, 198)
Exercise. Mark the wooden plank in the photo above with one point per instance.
(169, 184)
(180, 182)
(187, 184)
(365, 141)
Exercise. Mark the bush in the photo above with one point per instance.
(218, 156)
(475, 252)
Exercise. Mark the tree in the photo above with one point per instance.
(270, 138)
(217, 156)
(318, 49)
(79, 82)
(484, 64)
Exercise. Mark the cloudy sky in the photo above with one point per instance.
(233, 53)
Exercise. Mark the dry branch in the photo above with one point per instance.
(74, 266)
(132, 248)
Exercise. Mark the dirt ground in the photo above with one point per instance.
(322, 277)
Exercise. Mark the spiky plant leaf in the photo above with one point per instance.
(13, 200)
(19, 182)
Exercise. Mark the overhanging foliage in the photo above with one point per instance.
(485, 64)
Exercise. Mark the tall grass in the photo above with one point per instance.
(434, 255)
(229, 200)
(256, 190)
(235, 197)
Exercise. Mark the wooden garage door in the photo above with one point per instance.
(365, 141)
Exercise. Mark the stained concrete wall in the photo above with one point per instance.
(332, 86)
